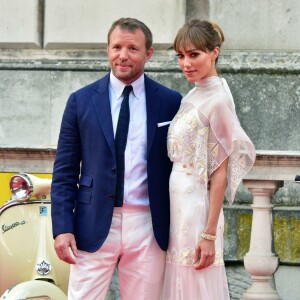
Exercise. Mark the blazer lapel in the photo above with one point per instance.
(102, 107)
(152, 106)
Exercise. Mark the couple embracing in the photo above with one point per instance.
(132, 169)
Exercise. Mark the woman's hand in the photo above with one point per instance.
(204, 254)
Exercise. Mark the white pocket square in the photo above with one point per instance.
(163, 124)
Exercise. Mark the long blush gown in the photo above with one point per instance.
(202, 135)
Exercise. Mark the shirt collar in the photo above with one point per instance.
(118, 86)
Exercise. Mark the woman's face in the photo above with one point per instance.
(197, 64)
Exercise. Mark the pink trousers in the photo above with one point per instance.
(131, 246)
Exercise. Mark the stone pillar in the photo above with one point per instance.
(261, 261)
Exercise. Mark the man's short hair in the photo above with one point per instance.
(131, 25)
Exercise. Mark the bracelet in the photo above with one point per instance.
(207, 236)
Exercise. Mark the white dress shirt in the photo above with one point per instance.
(135, 177)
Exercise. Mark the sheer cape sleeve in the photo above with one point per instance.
(226, 138)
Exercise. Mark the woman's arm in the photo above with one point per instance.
(205, 248)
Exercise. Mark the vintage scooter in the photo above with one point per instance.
(29, 267)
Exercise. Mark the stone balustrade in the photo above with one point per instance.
(266, 177)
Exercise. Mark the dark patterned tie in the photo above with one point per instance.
(120, 142)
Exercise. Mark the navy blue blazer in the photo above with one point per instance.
(84, 174)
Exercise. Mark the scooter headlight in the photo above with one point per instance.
(21, 186)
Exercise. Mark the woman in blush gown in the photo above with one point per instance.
(211, 153)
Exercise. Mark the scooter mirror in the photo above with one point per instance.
(24, 186)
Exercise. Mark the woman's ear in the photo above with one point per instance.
(215, 53)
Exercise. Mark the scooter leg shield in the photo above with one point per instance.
(34, 289)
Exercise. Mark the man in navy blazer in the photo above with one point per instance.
(92, 232)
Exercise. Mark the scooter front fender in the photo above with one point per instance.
(34, 290)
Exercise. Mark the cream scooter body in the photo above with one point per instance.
(29, 267)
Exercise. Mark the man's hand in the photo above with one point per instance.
(65, 247)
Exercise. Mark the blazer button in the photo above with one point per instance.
(111, 196)
(114, 171)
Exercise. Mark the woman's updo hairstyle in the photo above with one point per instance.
(204, 35)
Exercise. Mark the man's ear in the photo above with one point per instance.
(149, 54)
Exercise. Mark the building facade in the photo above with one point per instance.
(49, 48)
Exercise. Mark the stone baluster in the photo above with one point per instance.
(261, 262)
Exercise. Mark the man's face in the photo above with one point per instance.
(127, 54)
